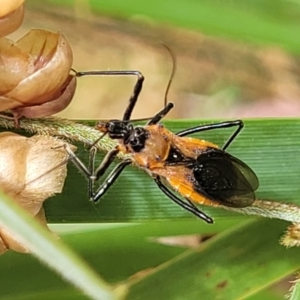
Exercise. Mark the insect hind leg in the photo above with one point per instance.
(187, 206)
(237, 123)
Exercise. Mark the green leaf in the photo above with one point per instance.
(115, 253)
(50, 251)
(269, 147)
(233, 265)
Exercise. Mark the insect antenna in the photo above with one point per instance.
(172, 73)
(98, 139)
(65, 161)
(170, 105)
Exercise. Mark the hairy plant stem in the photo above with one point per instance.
(62, 128)
(76, 132)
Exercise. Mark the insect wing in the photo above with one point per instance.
(224, 178)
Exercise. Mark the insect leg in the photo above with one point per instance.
(161, 114)
(96, 174)
(78, 163)
(93, 175)
(136, 91)
(238, 123)
(111, 178)
(108, 159)
(188, 206)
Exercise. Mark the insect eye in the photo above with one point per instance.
(114, 126)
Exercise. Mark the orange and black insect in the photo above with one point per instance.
(198, 170)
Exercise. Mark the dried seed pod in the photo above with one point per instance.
(35, 71)
(51, 107)
(31, 170)
(9, 6)
(11, 16)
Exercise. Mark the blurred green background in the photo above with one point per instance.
(235, 59)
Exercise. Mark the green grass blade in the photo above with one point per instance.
(51, 251)
(115, 253)
(248, 255)
(269, 146)
(120, 252)
(234, 265)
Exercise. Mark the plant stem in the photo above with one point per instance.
(270, 209)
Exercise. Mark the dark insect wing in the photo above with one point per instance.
(224, 178)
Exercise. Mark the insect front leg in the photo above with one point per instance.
(93, 175)
(88, 172)
(110, 179)
(78, 163)
(96, 174)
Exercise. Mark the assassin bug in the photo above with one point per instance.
(198, 170)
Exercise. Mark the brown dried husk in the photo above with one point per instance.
(36, 70)
(63, 99)
(11, 17)
(9, 6)
(31, 170)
